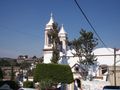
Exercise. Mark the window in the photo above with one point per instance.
(104, 68)
(49, 39)
(77, 69)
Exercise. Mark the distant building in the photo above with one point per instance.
(23, 58)
(7, 72)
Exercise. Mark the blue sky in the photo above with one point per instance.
(22, 23)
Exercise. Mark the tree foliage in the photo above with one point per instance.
(28, 84)
(40, 60)
(8, 62)
(25, 65)
(1, 74)
(84, 46)
(55, 72)
(12, 84)
(55, 41)
(88, 43)
(4, 62)
(12, 73)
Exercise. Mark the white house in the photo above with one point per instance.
(106, 56)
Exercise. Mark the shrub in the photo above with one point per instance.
(56, 72)
(12, 84)
(1, 74)
(46, 83)
(28, 84)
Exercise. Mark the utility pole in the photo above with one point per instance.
(115, 66)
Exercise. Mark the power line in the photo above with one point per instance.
(89, 23)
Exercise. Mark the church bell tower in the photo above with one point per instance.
(63, 38)
(47, 42)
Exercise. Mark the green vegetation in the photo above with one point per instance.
(25, 65)
(55, 41)
(1, 74)
(28, 84)
(13, 85)
(88, 43)
(46, 83)
(8, 62)
(55, 73)
(12, 73)
(84, 46)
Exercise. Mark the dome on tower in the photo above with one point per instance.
(62, 31)
(50, 23)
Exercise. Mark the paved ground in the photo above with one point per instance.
(94, 85)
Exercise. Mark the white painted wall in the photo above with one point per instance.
(108, 60)
(47, 56)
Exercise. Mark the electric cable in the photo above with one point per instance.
(91, 24)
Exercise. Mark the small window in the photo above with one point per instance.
(104, 68)
(49, 39)
(76, 68)
(61, 46)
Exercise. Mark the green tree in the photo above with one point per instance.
(28, 84)
(8, 62)
(4, 62)
(39, 60)
(84, 46)
(1, 74)
(76, 45)
(88, 43)
(55, 41)
(34, 57)
(12, 73)
(25, 66)
(51, 74)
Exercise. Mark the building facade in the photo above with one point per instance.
(104, 57)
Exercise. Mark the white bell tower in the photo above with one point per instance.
(47, 43)
(63, 38)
